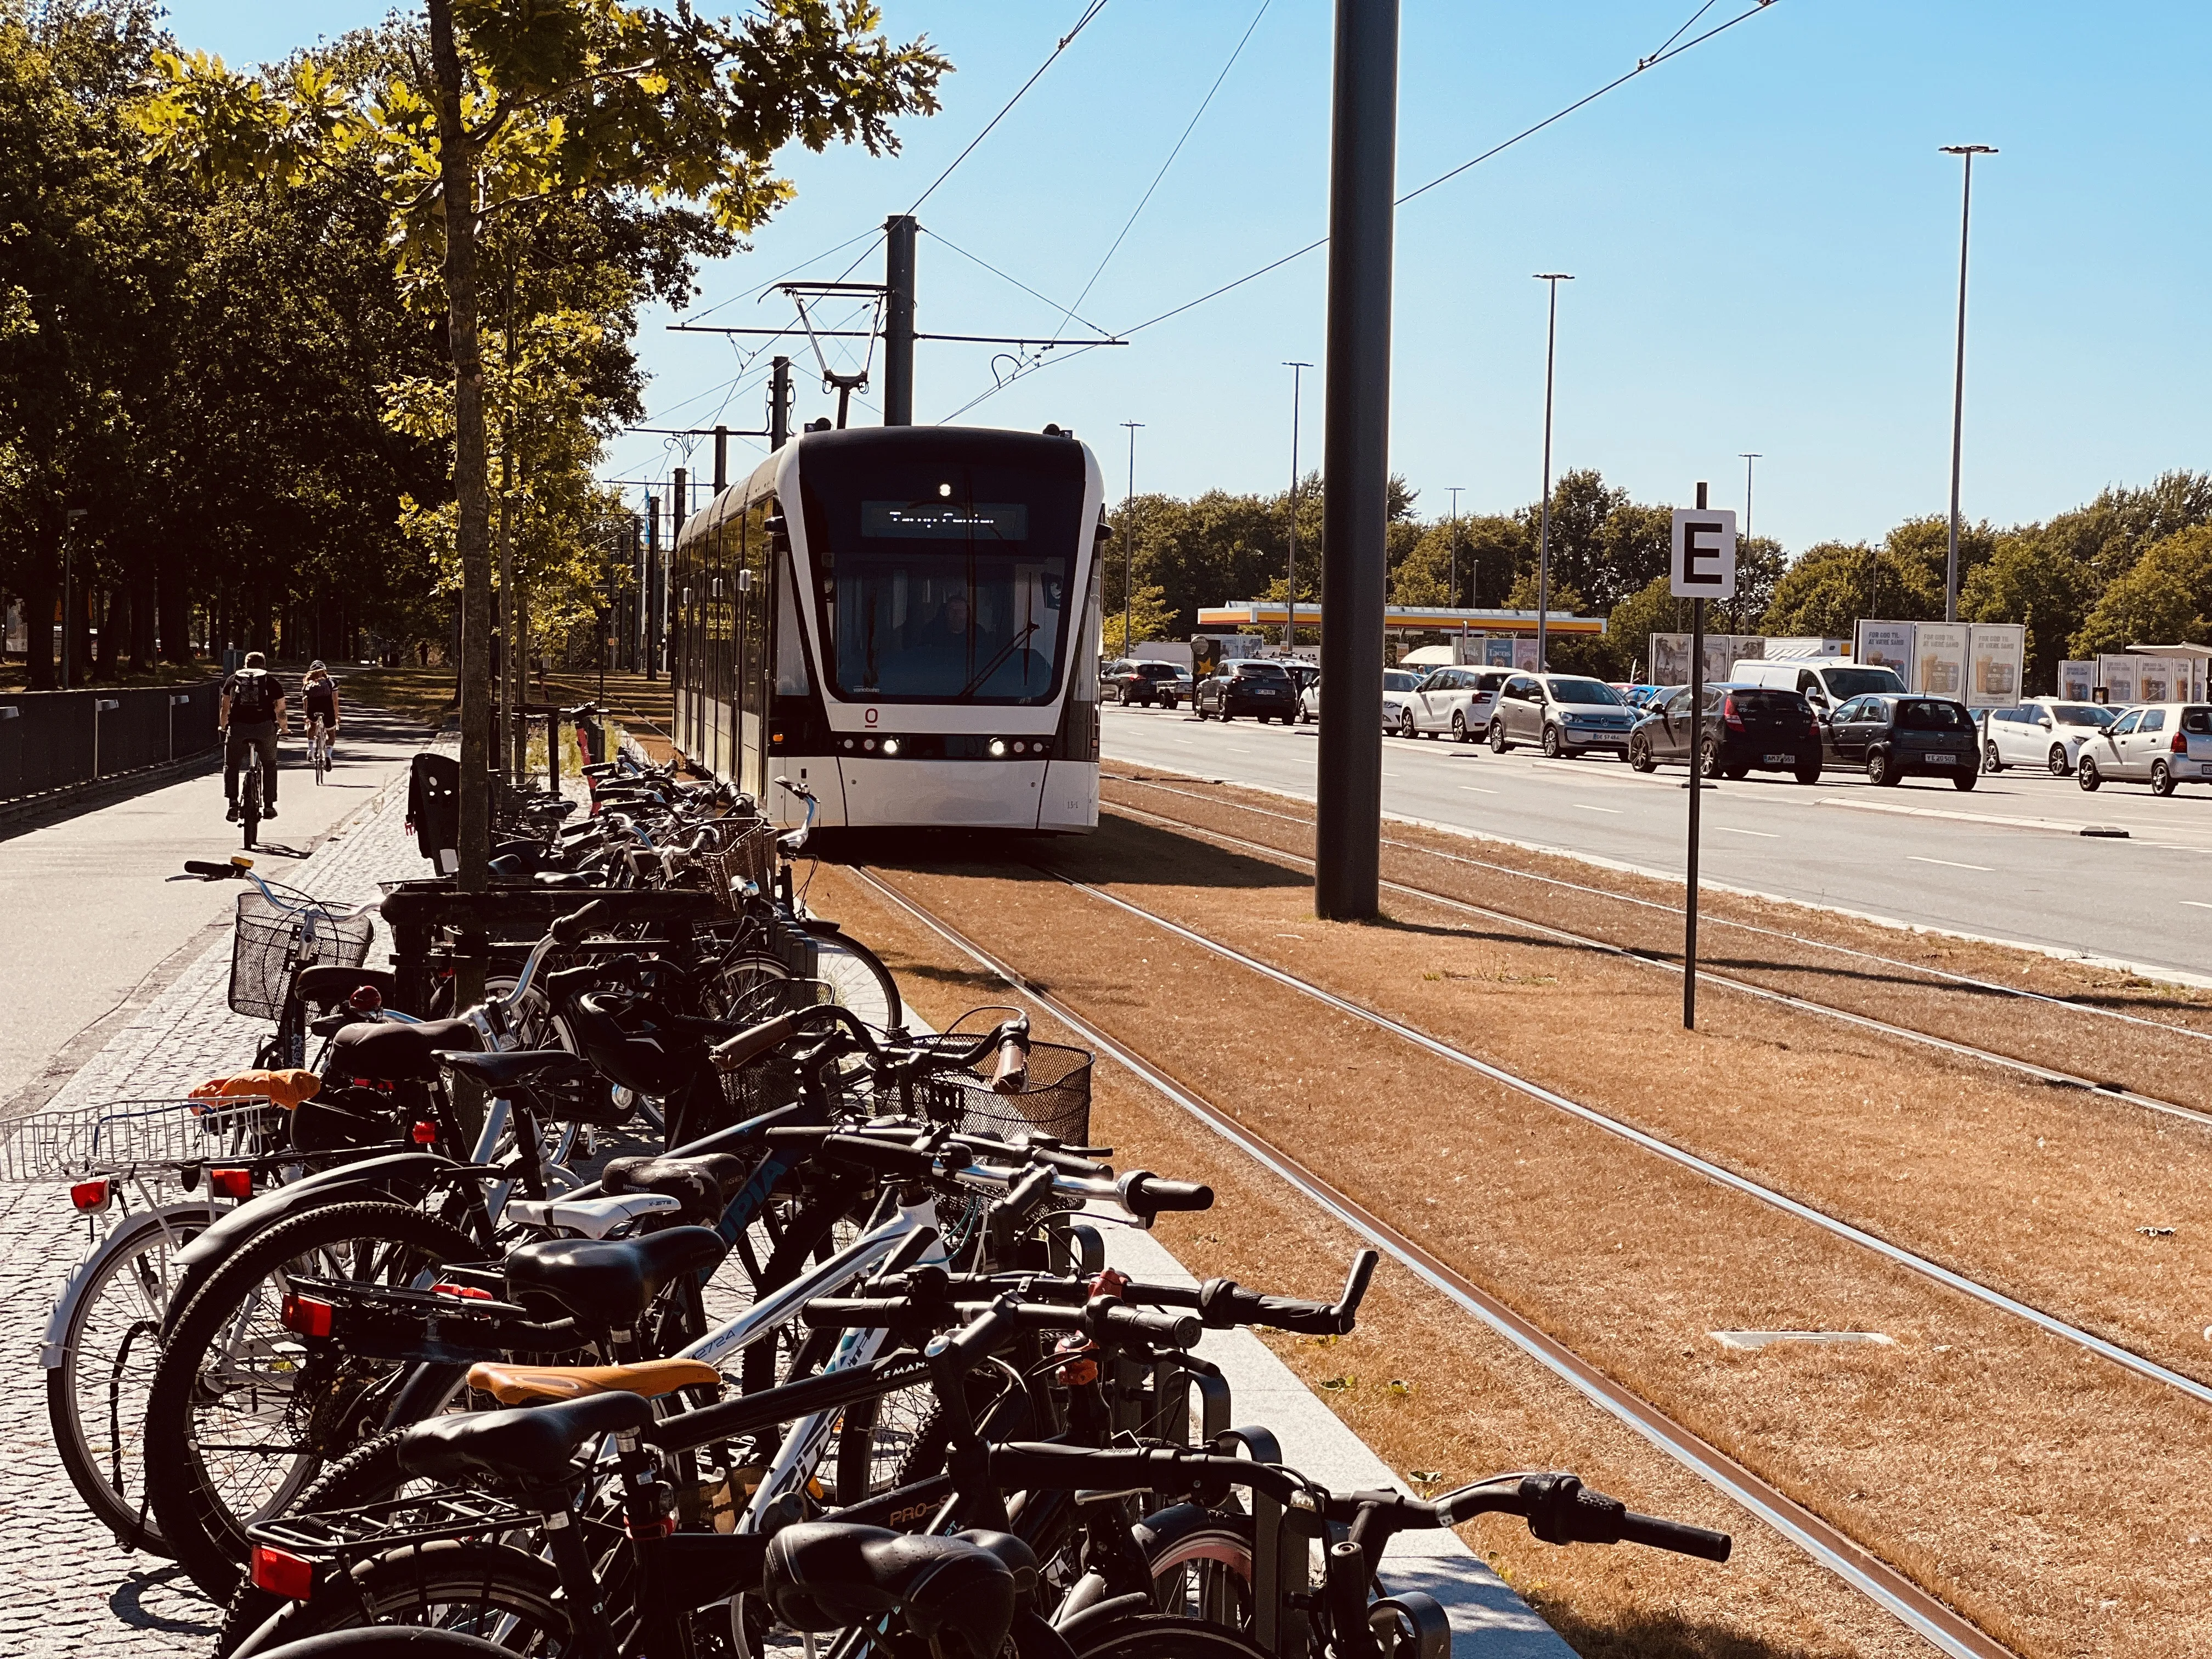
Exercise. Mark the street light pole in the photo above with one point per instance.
(1553, 278)
(1290, 592)
(1128, 534)
(1959, 374)
(1453, 490)
(1746, 456)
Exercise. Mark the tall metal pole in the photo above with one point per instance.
(1746, 456)
(1958, 376)
(778, 402)
(1697, 795)
(647, 606)
(1454, 491)
(1544, 520)
(721, 459)
(1290, 590)
(1128, 535)
(1356, 459)
(899, 320)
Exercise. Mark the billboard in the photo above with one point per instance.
(1939, 660)
(1886, 645)
(2156, 678)
(2077, 682)
(1498, 651)
(1996, 657)
(1670, 659)
(2117, 676)
(1524, 652)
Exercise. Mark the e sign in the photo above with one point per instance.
(1703, 563)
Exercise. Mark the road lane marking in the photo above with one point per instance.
(1585, 806)
(1477, 789)
(2196, 904)
(1951, 864)
(1767, 835)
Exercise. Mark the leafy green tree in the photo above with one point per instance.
(2164, 599)
(2029, 581)
(1650, 610)
(1827, 588)
(1149, 617)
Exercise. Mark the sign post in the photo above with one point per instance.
(1701, 567)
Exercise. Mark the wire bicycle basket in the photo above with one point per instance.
(271, 942)
(1055, 1104)
(126, 1135)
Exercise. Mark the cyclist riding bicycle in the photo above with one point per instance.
(319, 700)
(253, 716)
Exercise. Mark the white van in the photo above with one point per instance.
(1826, 683)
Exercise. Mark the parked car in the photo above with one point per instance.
(1826, 683)
(2165, 744)
(1895, 738)
(1246, 686)
(1174, 692)
(1567, 714)
(1303, 673)
(1746, 729)
(1127, 681)
(1454, 700)
(1398, 684)
(2046, 733)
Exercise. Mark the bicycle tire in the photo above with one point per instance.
(457, 1581)
(202, 1523)
(391, 1642)
(1159, 1636)
(1201, 1564)
(369, 1473)
(249, 802)
(105, 1462)
(858, 980)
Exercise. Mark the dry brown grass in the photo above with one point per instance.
(1961, 1454)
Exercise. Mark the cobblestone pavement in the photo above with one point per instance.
(65, 1587)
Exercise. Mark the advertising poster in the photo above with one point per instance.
(1939, 660)
(1498, 651)
(1745, 647)
(1718, 654)
(1467, 650)
(2077, 682)
(1887, 645)
(1995, 655)
(2117, 676)
(1524, 651)
(1670, 659)
(2155, 678)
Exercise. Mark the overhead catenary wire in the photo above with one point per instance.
(1090, 11)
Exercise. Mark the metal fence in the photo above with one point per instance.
(50, 739)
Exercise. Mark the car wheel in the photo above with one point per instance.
(1809, 773)
(1198, 711)
(1709, 759)
(1990, 762)
(2088, 776)
(1497, 743)
(1305, 716)
(1879, 770)
(1127, 697)
(2058, 766)
(1965, 781)
(1738, 773)
(1639, 756)
(1406, 723)
(2161, 778)
(1460, 734)
(1554, 749)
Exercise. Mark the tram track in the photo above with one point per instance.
(1865, 1573)
(2192, 1042)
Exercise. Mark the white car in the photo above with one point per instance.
(2046, 733)
(2162, 744)
(1398, 689)
(1460, 700)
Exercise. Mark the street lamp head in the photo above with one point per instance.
(1968, 150)
(1553, 277)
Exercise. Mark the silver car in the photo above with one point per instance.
(1566, 714)
(2047, 733)
(2165, 744)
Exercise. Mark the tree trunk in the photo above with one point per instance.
(172, 604)
(472, 528)
(39, 594)
(143, 588)
(114, 625)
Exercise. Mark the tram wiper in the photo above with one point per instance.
(1020, 638)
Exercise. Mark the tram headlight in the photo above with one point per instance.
(890, 746)
(998, 748)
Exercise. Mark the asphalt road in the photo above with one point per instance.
(2005, 860)
(93, 922)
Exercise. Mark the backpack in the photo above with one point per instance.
(253, 696)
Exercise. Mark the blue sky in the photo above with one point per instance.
(1764, 236)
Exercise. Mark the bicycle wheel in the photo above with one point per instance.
(241, 1417)
(1156, 1635)
(390, 1642)
(249, 803)
(747, 988)
(858, 980)
(492, 1591)
(1201, 1564)
(96, 1397)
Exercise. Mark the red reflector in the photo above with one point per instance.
(310, 1316)
(474, 1292)
(366, 1000)
(91, 1194)
(231, 1183)
(424, 1133)
(280, 1572)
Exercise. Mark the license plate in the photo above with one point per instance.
(1942, 760)
(2205, 770)
(1778, 760)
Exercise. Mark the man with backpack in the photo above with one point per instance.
(252, 717)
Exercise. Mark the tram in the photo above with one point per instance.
(905, 619)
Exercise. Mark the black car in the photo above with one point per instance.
(1145, 683)
(1247, 685)
(1896, 738)
(1747, 728)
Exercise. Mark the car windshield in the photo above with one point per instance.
(1157, 670)
(2082, 713)
(1932, 716)
(1857, 682)
(1584, 691)
(1394, 679)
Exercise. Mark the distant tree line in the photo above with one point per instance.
(2134, 565)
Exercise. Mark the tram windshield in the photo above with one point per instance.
(944, 582)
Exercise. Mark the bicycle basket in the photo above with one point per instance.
(1056, 1104)
(131, 1134)
(749, 857)
(269, 944)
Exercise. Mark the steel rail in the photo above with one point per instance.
(2040, 1072)
(1923, 1614)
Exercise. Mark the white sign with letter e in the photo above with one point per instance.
(1703, 563)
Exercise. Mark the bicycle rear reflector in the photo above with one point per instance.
(280, 1572)
(424, 1133)
(90, 1195)
(309, 1316)
(231, 1183)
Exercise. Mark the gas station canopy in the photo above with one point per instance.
(1251, 615)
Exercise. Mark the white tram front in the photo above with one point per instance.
(904, 619)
